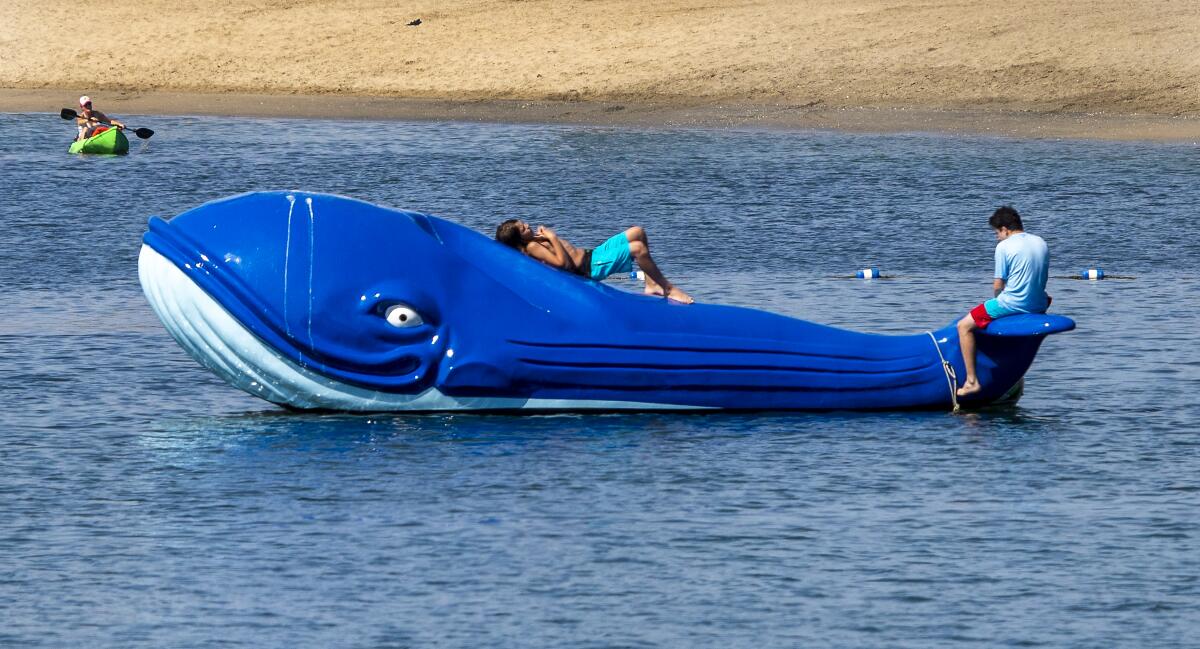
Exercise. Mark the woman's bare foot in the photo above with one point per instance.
(679, 296)
(652, 288)
(970, 386)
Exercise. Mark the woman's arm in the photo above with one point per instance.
(548, 249)
(544, 252)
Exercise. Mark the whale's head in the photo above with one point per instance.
(290, 294)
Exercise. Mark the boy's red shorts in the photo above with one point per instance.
(981, 317)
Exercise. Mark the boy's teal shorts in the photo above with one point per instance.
(996, 311)
(611, 257)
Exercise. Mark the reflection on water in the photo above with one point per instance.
(146, 503)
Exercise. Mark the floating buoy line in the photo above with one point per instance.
(1094, 274)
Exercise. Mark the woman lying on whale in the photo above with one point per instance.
(613, 256)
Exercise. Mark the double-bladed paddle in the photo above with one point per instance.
(143, 133)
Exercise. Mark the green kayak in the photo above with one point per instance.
(110, 141)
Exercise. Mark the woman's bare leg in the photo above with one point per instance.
(656, 283)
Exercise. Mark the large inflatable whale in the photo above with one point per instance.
(315, 301)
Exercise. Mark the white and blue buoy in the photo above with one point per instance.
(637, 274)
(868, 273)
(1092, 273)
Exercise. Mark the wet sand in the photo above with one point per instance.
(1085, 68)
(698, 115)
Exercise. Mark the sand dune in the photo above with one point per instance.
(1077, 56)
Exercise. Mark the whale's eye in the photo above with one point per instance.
(402, 316)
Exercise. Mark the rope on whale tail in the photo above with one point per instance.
(951, 376)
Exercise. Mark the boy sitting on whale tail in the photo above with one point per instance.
(613, 256)
(1022, 267)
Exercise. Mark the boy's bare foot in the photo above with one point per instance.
(679, 296)
(969, 387)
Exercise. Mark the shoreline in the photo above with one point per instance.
(642, 114)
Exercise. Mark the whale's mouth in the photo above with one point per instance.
(217, 340)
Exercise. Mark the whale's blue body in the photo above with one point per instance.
(285, 295)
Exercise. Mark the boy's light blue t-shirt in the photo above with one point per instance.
(1023, 262)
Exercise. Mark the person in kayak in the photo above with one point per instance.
(1022, 268)
(616, 255)
(89, 120)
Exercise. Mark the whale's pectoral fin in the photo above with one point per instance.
(474, 379)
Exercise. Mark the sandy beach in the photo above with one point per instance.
(1074, 69)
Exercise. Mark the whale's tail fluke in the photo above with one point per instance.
(1004, 352)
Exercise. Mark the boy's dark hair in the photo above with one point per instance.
(509, 234)
(1006, 217)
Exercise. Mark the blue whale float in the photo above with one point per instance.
(315, 301)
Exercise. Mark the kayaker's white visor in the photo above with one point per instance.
(85, 101)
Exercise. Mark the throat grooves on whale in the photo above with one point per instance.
(287, 259)
(311, 244)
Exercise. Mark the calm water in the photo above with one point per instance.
(143, 503)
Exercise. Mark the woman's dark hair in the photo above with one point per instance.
(1006, 217)
(509, 234)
